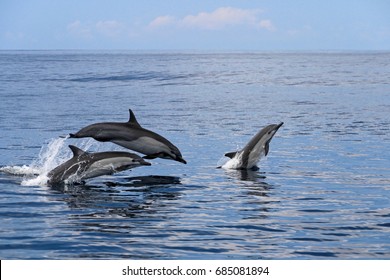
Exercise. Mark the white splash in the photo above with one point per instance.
(40, 180)
(49, 157)
(52, 154)
(19, 170)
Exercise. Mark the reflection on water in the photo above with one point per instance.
(142, 181)
(245, 175)
(130, 196)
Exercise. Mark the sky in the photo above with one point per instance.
(269, 25)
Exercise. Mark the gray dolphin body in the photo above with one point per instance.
(84, 165)
(258, 146)
(132, 136)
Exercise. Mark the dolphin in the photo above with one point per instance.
(84, 165)
(132, 136)
(258, 146)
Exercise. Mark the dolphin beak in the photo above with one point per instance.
(279, 125)
(142, 162)
(180, 159)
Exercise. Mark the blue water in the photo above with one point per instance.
(323, 192)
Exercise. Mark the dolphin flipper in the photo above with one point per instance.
(149, 157)
(153, 156)
(266, 148)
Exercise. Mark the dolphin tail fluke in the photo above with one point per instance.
(231, 154)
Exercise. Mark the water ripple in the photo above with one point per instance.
(322, 192)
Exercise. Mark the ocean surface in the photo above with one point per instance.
(323, 192)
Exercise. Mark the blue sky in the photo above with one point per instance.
(195, 25)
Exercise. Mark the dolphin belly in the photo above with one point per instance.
(109, 166)
(96, 171)
(144, 145)
(253, 157)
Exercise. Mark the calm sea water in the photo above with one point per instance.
(323, 192)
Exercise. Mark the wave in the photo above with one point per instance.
(19, 170)
(135, 76)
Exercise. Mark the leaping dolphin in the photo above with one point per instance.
(84, 165)
(132, 136)
(258, 146)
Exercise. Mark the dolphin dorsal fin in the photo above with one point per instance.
(231, 154)
(76, 151)
(132, 119)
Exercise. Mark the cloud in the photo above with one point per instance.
(161, 21)
(221, 18)
(216, 20)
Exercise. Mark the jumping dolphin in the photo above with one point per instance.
(84, 165)
(258, 146)
(132, 136)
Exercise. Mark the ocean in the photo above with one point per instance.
(323, 191)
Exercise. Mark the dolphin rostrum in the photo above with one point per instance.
(84, 165)
(132, 136)
(258, 146)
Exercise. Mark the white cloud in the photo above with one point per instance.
(217, 20)
(221, 18)
(161, 21)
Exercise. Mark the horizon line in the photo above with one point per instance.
(203, 50)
